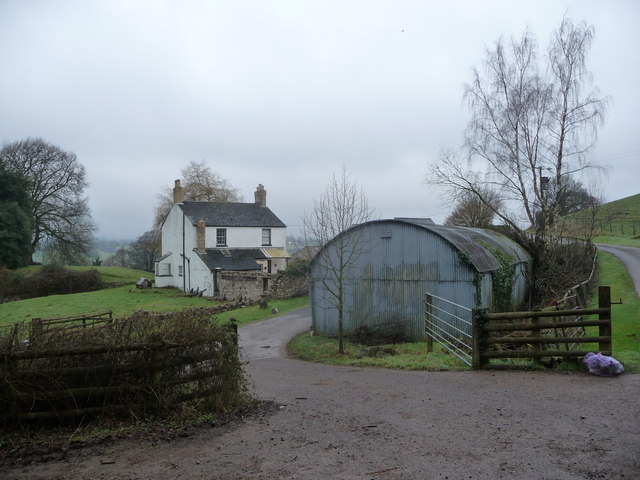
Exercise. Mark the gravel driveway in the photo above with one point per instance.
(364, 423)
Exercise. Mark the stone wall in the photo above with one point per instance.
(251, 286)
(238, 286)
(289, 286)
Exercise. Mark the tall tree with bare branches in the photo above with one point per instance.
(530, 129)
(342, 206)
(470, 211)
(199, 184)
(61, 218)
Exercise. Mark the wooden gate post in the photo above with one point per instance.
(604, 301)
(477, 341)
(429, 320)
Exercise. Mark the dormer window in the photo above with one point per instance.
(266, 237)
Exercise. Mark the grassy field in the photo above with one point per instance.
(127, 299)
(122, 300)
(108, 274)
(618, 221)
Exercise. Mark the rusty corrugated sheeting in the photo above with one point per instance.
(401, 259)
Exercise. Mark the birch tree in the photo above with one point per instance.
(530, 131)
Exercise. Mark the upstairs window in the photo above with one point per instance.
(221, 237)
(266, 237)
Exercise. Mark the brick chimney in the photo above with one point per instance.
(201, 230)
(261, 196)
(178, 194)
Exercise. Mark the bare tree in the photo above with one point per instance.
(118, 259)
(527, 127)
(142, 253)
(470, 211)
(61, 217)
(573, 196)
(199, 184)
(341, 206)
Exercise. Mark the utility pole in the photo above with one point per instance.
(544, 186)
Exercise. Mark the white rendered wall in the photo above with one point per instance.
(172, 231)
(201, 276)
(246, 237)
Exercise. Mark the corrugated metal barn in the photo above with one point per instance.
(399, 260)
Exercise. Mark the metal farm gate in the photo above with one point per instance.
(477, 336)
(450, 325)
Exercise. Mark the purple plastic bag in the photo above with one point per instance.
(602, 365)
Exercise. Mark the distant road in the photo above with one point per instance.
(630, 256)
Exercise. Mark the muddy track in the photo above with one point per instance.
(364, 423)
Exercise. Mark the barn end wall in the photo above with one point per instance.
(385, 288)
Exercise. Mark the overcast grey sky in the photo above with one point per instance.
(281, 93)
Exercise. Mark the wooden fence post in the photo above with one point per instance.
(477, 340)
(604, 301)
(429, 320)
(35, 330)
(157, 353)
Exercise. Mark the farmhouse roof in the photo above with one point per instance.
(236, 259)
(230, 214)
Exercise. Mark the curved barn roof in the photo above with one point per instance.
(477, 244)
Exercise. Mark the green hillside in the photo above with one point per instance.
(616, 222)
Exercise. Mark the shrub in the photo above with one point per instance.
(563, 267)
(297, 268)
(51, 279)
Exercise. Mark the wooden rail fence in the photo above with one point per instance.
(540, 334)
(41, 382)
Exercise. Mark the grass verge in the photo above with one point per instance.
(404, 356)
(254, 313)
(623, 241)
(625, 323)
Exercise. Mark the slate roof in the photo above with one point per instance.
(238, 259)
(230, 214)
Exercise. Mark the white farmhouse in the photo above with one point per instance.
(228, 250)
